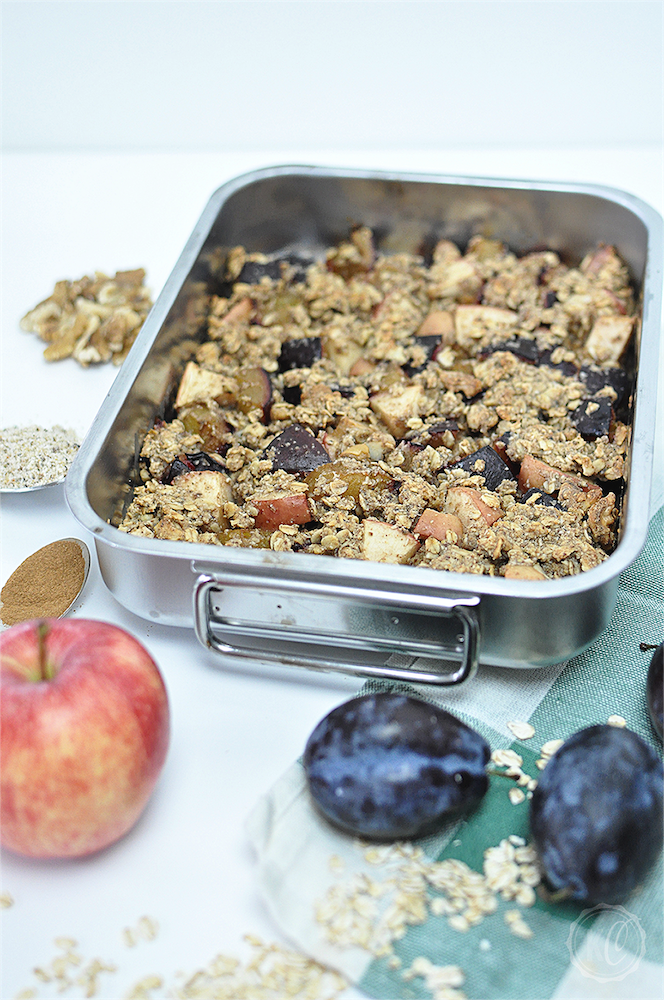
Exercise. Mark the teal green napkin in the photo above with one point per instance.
(386, 917)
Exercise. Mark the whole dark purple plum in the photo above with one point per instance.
(596, 814)
(389, 766)
(655, 690)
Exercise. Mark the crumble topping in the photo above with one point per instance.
(466, 413)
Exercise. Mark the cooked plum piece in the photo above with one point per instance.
(596, 379)
(429, 344)
(198, 461)
(253, 271)
(547, 499)
(301, 352)
(523, 347)
(491, 466)
(592, 418)
(296, 450)
(567, 368)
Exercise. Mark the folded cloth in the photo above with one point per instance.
(457, 914)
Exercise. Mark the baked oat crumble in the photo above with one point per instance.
(463, 413)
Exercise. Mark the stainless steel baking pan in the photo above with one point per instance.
(332, 614)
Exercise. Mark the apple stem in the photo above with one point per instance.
(45, 670)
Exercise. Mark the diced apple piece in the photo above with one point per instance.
(469, 507)
(598, 258)
(387, 543)
(361, 367)
(240, 312)
(440, 525)
(608, 338)
(438, 323)
(254, 391)
(343, 352)
(211, 491)
(291, 508)
(472, 323)
(397, 405)
(514, 571)
(534, 473)
(198, 385)
(572, 490)
(459, 280)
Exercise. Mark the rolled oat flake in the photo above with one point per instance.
(35, 456)
(45, 584)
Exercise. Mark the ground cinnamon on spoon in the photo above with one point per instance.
(45, 583)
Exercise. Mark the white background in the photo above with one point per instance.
(231, 76)
(119, 120)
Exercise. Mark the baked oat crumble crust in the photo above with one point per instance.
(461, 414)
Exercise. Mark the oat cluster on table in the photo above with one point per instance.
(93, 319)
(463, 412)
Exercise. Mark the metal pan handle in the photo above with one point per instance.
(414, 660)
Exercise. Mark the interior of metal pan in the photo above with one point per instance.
(305, 210)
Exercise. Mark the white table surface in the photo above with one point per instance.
(187, 863)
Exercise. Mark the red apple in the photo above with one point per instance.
(85, 730)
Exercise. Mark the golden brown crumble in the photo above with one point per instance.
(462, 414)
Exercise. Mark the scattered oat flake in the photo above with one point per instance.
(506, 758)
(148, 928)
(441, 980)
(516, 796)
(522, 730)
(129, 937)
(65, 942)
(141, 990)
(617, 721)
(6, 900)
(517, 924)
(550, 747)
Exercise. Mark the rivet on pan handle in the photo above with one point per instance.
(217, 633)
